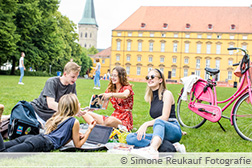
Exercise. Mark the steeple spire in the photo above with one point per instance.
(88, 17)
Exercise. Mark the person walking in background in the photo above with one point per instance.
(97, 74)
(108, 74)
(21, 68)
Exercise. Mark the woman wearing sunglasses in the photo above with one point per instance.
(164, 122)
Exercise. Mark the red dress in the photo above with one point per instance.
(123, 107)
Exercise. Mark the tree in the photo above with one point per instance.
(8, 37)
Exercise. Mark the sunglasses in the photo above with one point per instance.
(150, 77)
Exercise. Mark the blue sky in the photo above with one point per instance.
(111, 13)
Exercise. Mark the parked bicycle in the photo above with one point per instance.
(202, 102)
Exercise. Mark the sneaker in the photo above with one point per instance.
(98, 88)
(147, 153)
(94, 87)
(20, 83)
(179, 147)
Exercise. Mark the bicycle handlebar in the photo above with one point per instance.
(245, 60)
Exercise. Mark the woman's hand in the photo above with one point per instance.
(141, 132)
(81, 135)
(92, 125)
(106, 95)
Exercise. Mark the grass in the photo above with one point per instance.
(208, 138)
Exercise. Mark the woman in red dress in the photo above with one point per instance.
(121, 96)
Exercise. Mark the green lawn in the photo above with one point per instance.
(208, 138)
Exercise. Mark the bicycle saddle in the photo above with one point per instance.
(212, 71)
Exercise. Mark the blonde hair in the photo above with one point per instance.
(72, 66)
(68, 106)
(162, 87)
(122, 75)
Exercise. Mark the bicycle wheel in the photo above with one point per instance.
(242, 118)
(186, 117)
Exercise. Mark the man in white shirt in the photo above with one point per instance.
(21, 68)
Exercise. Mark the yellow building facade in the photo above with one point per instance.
(178, 52)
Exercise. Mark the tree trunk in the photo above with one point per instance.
(14, 59)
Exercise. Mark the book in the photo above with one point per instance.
(97, 102)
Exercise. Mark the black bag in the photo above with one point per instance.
(4, 128)
(23, 120)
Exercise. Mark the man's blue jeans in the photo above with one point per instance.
(166, 130)
(97, 79)
(21, 73)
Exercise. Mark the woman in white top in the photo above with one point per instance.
(21, 67)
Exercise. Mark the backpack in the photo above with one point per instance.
(23, 120)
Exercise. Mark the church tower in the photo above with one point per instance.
(88, 27)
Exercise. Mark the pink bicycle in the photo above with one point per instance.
(202, 102)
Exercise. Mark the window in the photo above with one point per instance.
(138, 70)
(175, 47)
(232, 27)
(151, 34)
(175, 35)
(187, 35)
(207, 63)
(231, 52)
(165, 25)
(188, 26)
(244, 46)
(218, 36)
(186, 47)
(118, 45)
(162, 47)
(173, 72)
(185, 72)
(198, 63)
(85, 35)
(208, 50)
(209, 36)
(128, 58)
(151, 46)
(161, 69)
(230, 62)
(129, 34)
(197, 72)
(139, 46)
(161, 59)
(143, 25)
(118, 58)
(139, 58)
(103, 61)
(163, 35)
(229, 75)
(119, 33)
(150, 59)
(128, 45)
(90, 35)
(217, 64)
(244, 37)
(174, 60)
(149, 69)
(231, 37)
(128, 70)
(186, 60)
(140, 34)
(218, 49)
(210, 26)
(198, 48)
(94, 61)
(199, 36)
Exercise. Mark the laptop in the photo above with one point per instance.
(97, 140)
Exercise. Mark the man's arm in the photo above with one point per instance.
(52, 104)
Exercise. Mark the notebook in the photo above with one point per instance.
(97, 102)
(97, 139)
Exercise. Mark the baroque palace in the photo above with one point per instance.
(181, 41)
